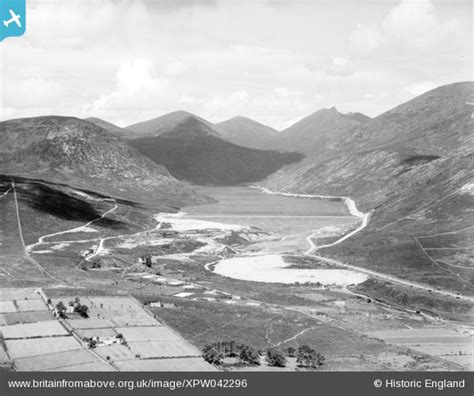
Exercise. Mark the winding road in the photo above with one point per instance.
(365, 219)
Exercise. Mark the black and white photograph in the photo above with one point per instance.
(237, 187)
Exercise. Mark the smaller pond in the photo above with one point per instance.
(271, 268)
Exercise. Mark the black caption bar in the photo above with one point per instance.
(243, 383)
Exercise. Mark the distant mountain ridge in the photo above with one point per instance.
(191, 150)
(246, 132)
(316, 130)
(163, 124)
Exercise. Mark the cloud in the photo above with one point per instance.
(31, 92)
(339, 61)
(175, 68)
(286, 92)
(136, 88)
(177, 5)
(365, 39)
(130, 60)
(409, 25)
(412, 22)
(420, 88)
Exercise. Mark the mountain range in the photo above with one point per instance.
(193, 151)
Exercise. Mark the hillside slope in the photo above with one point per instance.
(193, 151)
(411, 166)
(108, 126)
(318, 130)
(246, 132)
(76, 152)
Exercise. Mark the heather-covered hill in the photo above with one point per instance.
(76, 152)
(411, 166)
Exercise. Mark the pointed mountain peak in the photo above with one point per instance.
(165, 123)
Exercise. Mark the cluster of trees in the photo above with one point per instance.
(308, 357)
(305, 355)
(216, 352)
(96, 263)
(79, 308)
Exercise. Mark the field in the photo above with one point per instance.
(114, 352)
(173, 347)
(40, 346)
(454, 346)
(94, 366)
(47, 345)
(182, 364)
(145, 337)
(58, 360)
(33, 330)
(19, 294)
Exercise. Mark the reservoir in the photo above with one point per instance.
(289, 220)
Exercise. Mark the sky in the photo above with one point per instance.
(275, 61)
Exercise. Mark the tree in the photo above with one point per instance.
(308, 357)
(96, 263)
(82, 310)
(212, 355)
(249, 355)
(290, 351)
(61, 308)
(275, 358)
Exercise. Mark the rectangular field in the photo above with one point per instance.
(7, 307)
(30, 305)
(57, 360)
(136, 321)
(29, 330)
(96, 366)
(19, 294)
(150, 333)
(177, 364)
(101, 332)
(162, 349)
(24, 317)
(90, 323)
(123, 317)
(40, 346)
(114, 352)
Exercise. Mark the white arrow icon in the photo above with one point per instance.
(15, 18)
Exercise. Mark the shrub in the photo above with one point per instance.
(249, 355)
(308, 357)
(275, 358)
(212, 355)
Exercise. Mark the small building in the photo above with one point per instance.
(167, 233)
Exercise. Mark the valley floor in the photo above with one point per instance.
(170, 264)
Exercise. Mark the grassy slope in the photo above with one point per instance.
(408, 166)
